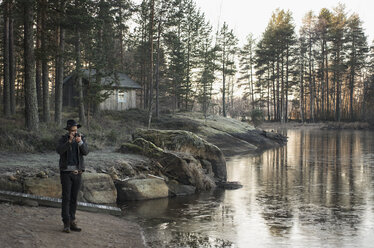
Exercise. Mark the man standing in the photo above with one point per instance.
(71, 147)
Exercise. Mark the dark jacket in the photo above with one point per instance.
(62, 148)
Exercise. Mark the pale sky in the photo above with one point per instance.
(246, 16)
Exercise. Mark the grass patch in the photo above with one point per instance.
(111, 128)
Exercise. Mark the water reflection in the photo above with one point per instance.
(317, 191)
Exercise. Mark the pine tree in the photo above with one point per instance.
(246, 66)
(227, 48)
(12, 57)
(322, 34)
(207, 67)
(307, 32)
(32, 118)
(59, 60)
(337, 36)
(44, 54)
(357, 51)
(6, 65)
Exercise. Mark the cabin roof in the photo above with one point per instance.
(118, 79)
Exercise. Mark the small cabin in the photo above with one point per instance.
(122, 90)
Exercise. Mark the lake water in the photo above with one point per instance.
(315, 192)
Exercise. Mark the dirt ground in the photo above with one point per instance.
(40, 227)
(35, 162)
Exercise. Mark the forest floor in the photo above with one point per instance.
(40, 227)
(113, 128)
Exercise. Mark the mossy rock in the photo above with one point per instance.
(189, 143)
(143, 147)
(149, 149)
(130, 148)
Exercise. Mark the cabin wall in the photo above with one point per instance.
(120, 100)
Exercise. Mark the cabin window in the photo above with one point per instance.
(121, 96)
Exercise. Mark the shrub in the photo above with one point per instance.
(257, 117)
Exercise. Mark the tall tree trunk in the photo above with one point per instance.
(120, 38)
(158, 70)
(268, 96)
(6, 82)
(188, 72)
(78, 70)
(282, 89)
(323, 114)
(45, 71)
(223, 85)
(315, 94)
(311, 90)
(274, 92)
(252, 90)
(287, 71)
(12, 64)
(352, 80)
(278, 86)
(223, 90)
(302, 89)
(327, 86)
(31, 106)
(60, 66)
(338, 88)
(38, 72)
(151, 64)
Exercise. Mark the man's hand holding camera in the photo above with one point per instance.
(75, 136)
(78, 137)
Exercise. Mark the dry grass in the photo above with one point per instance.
(111, 128)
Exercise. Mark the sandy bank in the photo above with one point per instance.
(42, 227)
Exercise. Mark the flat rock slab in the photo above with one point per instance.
(141, 189)
(98, 188)
(42, 227)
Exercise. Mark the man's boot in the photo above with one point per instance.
(74, 226)
(66, 227)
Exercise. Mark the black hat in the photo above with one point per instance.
(71, 123)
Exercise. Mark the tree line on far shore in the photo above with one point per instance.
(324, 71)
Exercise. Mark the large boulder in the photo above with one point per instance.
(50, 186)
(189, 143)
(97, 188)
(185, 169)
(181, 167)
(141, 189)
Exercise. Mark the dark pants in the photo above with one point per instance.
(70, 188)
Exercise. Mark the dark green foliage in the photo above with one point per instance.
(324, 67)
(257, 117)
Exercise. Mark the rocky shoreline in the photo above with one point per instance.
(157, 164)
(154, 164)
